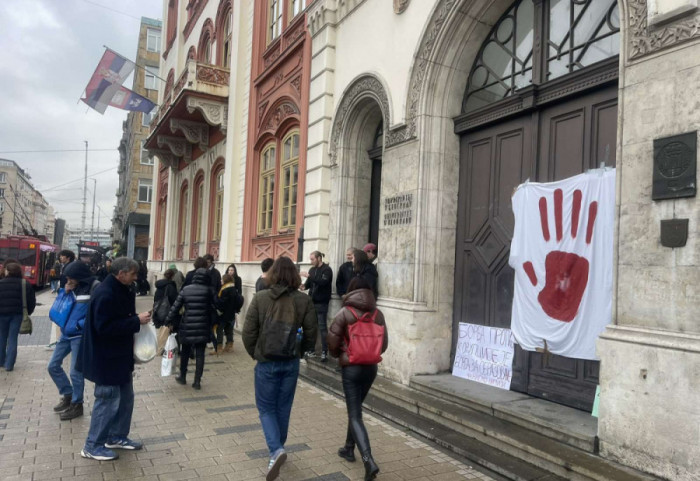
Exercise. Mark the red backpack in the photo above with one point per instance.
(365, 339)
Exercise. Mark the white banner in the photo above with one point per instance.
(562, 253)
(484, 354)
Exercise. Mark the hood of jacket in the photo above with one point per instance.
(277, 290)
(362, 299)
(163, 282)
(201, 276)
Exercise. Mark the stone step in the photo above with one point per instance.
(494, 432)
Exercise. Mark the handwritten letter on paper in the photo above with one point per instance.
(484, 354)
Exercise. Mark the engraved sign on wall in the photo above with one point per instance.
(675, 160)
(398, 210)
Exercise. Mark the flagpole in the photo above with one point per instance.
(82, 227)
(135, 64)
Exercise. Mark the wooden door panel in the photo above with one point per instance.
(563, 152)
(479, 182)
(604, 118)
(511, 150)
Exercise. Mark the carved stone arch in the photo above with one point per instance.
(225, 8)
(278, 115)
(366, 86)
(208, 34)
(192, 53)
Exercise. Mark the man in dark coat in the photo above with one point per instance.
(107, 359)
(65, 257)
(214, 274)
(319, 280)
(345, 273)
(194, 329)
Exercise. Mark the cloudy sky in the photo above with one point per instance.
(50, 48)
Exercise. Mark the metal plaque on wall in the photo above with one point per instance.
(675, 166)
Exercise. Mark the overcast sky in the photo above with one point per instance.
(50, 49)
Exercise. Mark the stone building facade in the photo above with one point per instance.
(22, 208)
(135, 192)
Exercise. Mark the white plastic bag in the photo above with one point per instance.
(145, 343)
(167, 365)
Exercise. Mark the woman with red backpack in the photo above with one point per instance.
(357, 338)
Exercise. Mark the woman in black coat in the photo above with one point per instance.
(11, 312)
(365, 269)
(194, 330)
(228, 303)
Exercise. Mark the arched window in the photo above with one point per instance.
(182, 227)
(169, 81)
(224, 27)
(266, 199)
(160, 233)
(289, 171)
(172, 24)
(197, 208)
(217, 202)
(204, 48)
(579, 33)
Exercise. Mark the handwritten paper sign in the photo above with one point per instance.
(484, 354)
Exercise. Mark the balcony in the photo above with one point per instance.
(193, 115)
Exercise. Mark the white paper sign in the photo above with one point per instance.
(484, 354)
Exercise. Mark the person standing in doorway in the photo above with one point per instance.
(319, 280)
(107, 359)
(345, 273)
(276, 379)
(371, 251)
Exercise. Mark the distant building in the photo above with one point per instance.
(103, 238)
(135, 192)
(60, 232)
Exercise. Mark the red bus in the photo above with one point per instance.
(36, 256)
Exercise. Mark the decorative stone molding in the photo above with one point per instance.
(215, 113)
(365, 86)
(177, 145)
(194, 10)
(195, 132)
(645, 40)
(165, 156)
(296, 84)
(213, 75)
(400, 6)
(279, 115)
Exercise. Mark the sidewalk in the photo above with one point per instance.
(210, 434)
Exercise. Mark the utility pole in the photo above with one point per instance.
(92, 223)
(82, 227)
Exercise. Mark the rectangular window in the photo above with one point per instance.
(146, 119)
(145, 190)
(145, 159)
(267, 190)
(198, 222)
(152, 40)
(2, 193)
(150, 80)
(295, 8)
(274, 20)
(290, 178)
(3, 177)
(218, 206)
(2, 207)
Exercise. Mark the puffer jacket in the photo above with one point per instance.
(362, 300)
(199, 302)
(305, 317)
(75, 324)
(11, 296)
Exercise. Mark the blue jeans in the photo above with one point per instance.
(111, 414)
(322, 315)
(54, 285)
(275, 384)
(9, 330)
(76, 385)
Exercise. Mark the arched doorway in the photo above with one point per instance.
(540, 103)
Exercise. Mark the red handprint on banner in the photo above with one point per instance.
(566, 275)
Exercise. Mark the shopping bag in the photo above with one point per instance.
(61, 308)
(145, 343)
(163, 333)
(167, 365)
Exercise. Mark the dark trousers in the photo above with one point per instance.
(225, 326)
(357, 380)
(199, 359)
(322, 315)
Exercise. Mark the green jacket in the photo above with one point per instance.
(255, 317)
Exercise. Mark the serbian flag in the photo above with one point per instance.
(129, 100)
(107, 80)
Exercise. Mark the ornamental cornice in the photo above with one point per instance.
(195, 132)
(165, 156)
(330, 12)
(365, 86)
(279, 115)
(645, 39)
(214, 113)
(177, 145)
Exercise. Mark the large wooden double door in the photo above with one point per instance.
(550, 143)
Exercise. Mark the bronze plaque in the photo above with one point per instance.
(674, 232)
(675, 165)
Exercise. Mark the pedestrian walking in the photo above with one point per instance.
(277, 320)
(194, 330)
(178, 277)
(229, 303)
(319, 280)
(55, 276)
(11, 311)
(107, 359)
(79, 284)
(359, 304)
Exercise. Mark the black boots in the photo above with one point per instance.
(196, 385)
(347, 453)
(371, 468)
(63, 405)
(181, 379)
(73, 411)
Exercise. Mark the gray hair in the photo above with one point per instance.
(124, 264)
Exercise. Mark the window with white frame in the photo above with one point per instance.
(2, 193)
(295, 8)
(145, 159)
(3, 177)
(152, 40)
(274, 20)
(146, 119)
(150, 80)
(145, 190)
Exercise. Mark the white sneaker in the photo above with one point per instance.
(276, 462)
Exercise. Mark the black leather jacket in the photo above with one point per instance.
(199, 302)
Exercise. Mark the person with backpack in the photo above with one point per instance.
(279, 325)
(358, 337)
(164, 298)
(79, 285)
(194, 330)
(229, 302)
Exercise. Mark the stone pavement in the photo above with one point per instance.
(210, 434)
